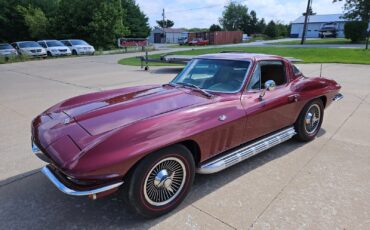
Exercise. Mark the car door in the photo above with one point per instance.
(277, 108)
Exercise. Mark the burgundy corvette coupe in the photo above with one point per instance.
(151, 140)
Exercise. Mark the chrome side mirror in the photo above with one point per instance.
(270, 85)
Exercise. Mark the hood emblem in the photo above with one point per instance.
(67, 121)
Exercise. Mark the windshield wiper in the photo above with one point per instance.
(189, 85)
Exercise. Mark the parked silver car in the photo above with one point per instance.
(55, 48)
(6, 50)
(79, 47)
(29, 48)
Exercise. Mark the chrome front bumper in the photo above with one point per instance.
(36, 150)
(50, 175)
(338, 97)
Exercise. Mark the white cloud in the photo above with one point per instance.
(177, 10)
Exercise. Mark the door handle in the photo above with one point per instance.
(294, 98)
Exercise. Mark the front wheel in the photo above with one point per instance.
(310, 120)
(161, 181)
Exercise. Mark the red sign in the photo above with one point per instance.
(129, 42)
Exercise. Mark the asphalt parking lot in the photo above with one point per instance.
(324, 184)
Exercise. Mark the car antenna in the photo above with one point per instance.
(320, 70)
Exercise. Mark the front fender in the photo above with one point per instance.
(124, 147)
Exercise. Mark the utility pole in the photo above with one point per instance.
(164, 19)
(367, 35)
(305, 21)
(163, 25)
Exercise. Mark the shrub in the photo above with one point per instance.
(355, 30)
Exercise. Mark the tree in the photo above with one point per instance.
(135, 20)
(357, 9)
(96, 21)
(282, 29)
(35, 20)
(253, 23)
(214, 28)
(106, 24)
(261, 26)
(271, 30)
(99, 22)
(235, 17)
(167, 23)
(355, 30)
(12, 24)
(197, 29)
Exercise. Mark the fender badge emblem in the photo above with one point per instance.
(222, 117)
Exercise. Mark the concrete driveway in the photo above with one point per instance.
(324, 184)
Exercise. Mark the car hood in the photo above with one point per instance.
(119, 109)
(32, 48)
(82, 46)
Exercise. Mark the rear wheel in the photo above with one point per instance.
(74, 52)
(310, 120)
(161, 181)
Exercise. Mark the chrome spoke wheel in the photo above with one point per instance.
(164, 181)
(312, 119)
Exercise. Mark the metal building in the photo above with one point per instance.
(166, 35)
(315, 23)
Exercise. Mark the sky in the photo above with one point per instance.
(203, 13)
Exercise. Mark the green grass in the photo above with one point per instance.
(308, 55)
(18, 58)
(325, 41)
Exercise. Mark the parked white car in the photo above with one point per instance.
(29, 48)
(79, 47)
(6, 50)
(55, 48)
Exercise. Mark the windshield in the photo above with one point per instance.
(226, 76)
(78, 42)
(5, 46)
(28, 44)
(54, 43)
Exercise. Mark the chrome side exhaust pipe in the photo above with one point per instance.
(246, 152)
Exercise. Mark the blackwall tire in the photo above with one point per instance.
(309, 121)
(161, 181)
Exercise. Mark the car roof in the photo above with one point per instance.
(72, 40)
(23, 41)
(240, 56)
(47, 40)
